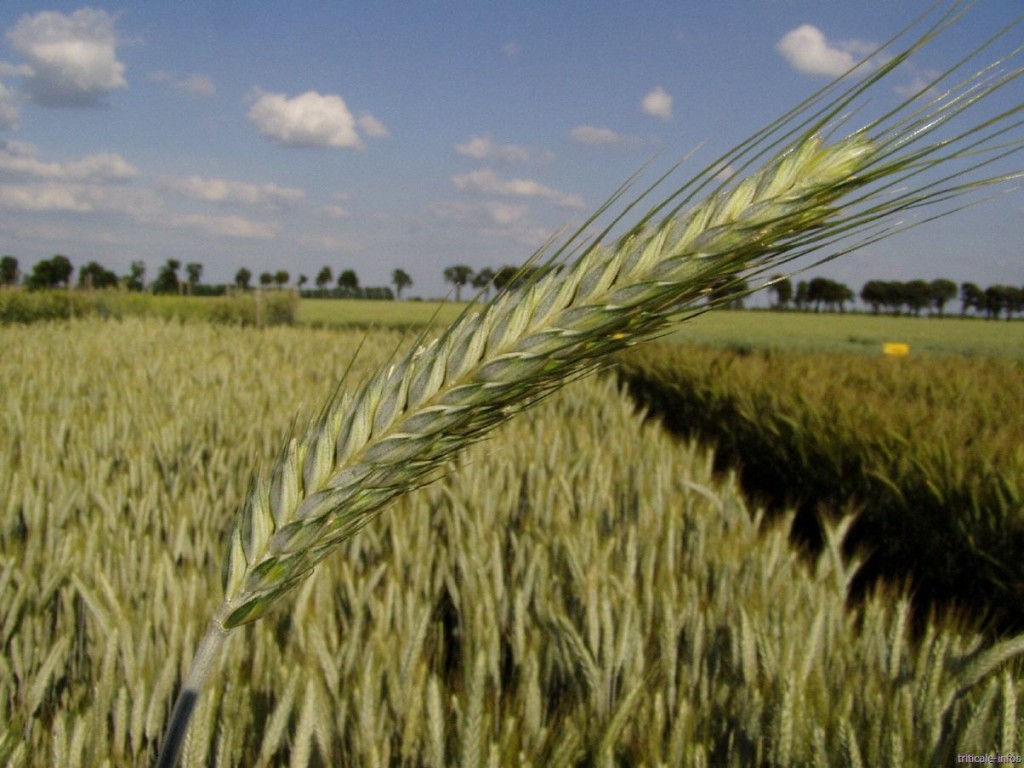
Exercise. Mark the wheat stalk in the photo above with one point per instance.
(399, 429)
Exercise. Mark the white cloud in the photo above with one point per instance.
(505, 213)
(489, 211)
(807, 50)
(492, 219)
(480, 147)
(334, 211)
(10, 111)
(77, 198)
(486, 181)
(373, 127)
(511, 48)
(227, 191)
(227, 226)
(530, 237)
(196, 85)
(307, 120)
(657, 103)
(920, 82)
(70, 60)
(19, 158)
(594, 135)
(14, 70)
(322, 242)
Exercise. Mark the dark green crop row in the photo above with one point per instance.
(260, 309)
(927, 450)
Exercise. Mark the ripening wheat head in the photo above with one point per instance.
(396, 432)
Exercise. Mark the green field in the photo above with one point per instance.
(367, 313)
(856, 333)
(804, 331)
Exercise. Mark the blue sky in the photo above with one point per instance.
(418, 135)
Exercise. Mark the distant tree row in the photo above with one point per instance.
(507, 277)
(899, 297)
(347, 285)
(56, 272)
(817, 294)
(993, 300)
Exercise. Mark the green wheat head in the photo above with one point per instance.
(398, 430)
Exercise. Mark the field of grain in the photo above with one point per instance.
(926, 448)
(372, 313)
(856, 333)
(750, 329)
(580, 590)
(259, 308)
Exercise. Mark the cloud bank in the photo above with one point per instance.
(225, 191)
(486, 181)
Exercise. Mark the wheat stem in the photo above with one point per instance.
(202, 664)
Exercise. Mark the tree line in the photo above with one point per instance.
(899, 297)
(817, 294)
(56, 272)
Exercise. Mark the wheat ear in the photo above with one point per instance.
(399, 429)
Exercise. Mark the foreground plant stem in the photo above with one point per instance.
(202, 664)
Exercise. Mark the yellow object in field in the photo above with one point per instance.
(895, 349)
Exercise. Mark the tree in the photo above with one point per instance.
(195, 271)
(302, 281)
(917, 296)
(993, 302)
(728, 292)
(1013, 300)
(875, 293)
(167, 279)
(266, 279)
(818, 292)
(940, 292)
(1016, 299)
(458, 276)
(348, 282)
(62, 269)
(136, 279)
(9, 272)
(281, 278)
(483, 280)
(50, 273)
(800, 297)
(94, 275)
(971, 297)
(41, 276)
(400, 279)
(242, 279)
(1003, 297)
(323, 279)
(504, 277)
(830, 293)
(782, 287)
(840, 293)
